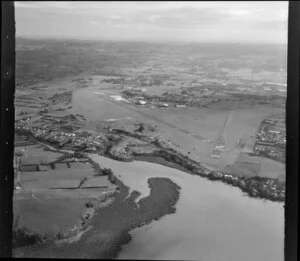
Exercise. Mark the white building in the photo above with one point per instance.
(141, 102)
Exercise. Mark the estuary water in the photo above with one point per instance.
(213, 221)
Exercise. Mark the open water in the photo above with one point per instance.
(213, 221)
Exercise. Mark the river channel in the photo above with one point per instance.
(213, 221)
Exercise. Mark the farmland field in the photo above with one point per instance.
(186, 109)
(50, 201)
(38, 150)
(193, 130)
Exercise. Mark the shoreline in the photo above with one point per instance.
(255, 187)
(112, 223)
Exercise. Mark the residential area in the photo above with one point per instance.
(271, 139)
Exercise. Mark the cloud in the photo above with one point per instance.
(46, 4)
(239, 12)
(25, 5)
(94, 23)
(177, 20)
(188, 17)
(61, 5)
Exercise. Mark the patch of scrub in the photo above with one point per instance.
(111, 224)
(48, 216)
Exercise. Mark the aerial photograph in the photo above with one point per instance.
(150, 130)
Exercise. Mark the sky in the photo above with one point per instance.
(197, 21)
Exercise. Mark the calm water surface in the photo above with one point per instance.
(213, 221)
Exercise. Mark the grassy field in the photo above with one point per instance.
(94, 72)
(249, 166)
(61, 174)
(192, 130)
(38, 150)
(51, 201)
(48, 216)
(272, 169)
(91, 66)
(111, 225)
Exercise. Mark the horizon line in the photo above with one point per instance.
(94, 39)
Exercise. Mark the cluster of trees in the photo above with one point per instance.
(45, 110)
(155, 82)
(140, 128)
(107, 172)
(23, 113)
(21, 236)
(131, 93)
(115, 81)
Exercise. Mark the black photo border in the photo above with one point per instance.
(7, 112)
(292, 131)
(7, 116)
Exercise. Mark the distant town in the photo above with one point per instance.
(47, 130)
(271, 139)
(109, 136)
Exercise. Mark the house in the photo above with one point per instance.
(260, 147)
(22, 117)
(141, 102)
(274, 131)
(164, 105)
